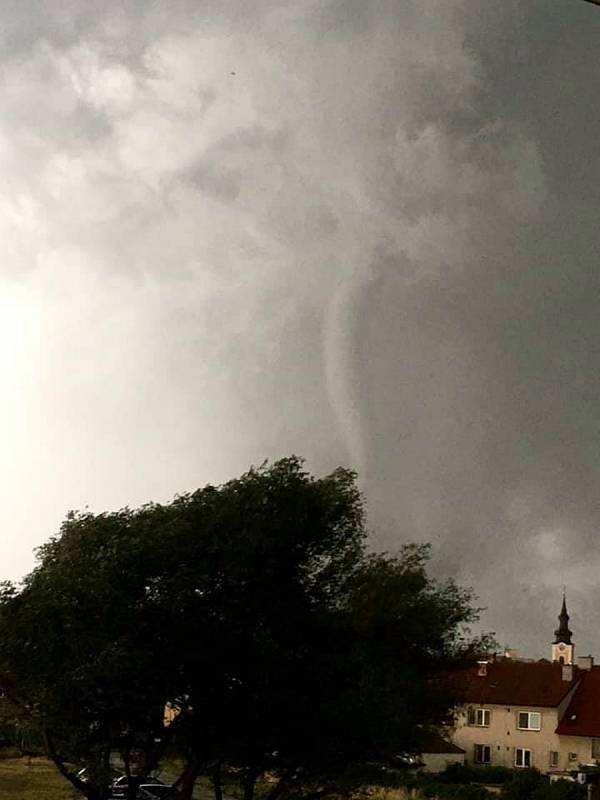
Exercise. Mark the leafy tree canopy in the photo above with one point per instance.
(255, 609)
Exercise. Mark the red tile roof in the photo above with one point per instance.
(582, 717)
(515, 683)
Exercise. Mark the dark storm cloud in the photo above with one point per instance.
(496, 438)
(361, 232)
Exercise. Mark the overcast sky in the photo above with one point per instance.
(363, 232)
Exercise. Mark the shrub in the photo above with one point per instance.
(560, 790)
(432, 787)
(523, 783)
(469, 773)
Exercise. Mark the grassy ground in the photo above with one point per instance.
(35, 780)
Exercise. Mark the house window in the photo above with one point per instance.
(596, 749)
(529, 720)
(479, 717)
(483, 754)
(522, 757)
(553, 759)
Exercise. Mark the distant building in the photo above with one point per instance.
(563, 650)
(522, 713)
(437, 753)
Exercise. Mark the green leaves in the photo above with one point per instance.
(254, 607)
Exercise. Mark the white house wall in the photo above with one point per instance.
(437, 762)
(503, 736)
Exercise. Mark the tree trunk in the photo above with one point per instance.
(106, 790)
(282, 786)
(218, 786)
(85, 789)
(250, 782)
(187, 781)
(126, 757)
(319, 793)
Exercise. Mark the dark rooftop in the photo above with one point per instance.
(515, 683)
(582, 717)
(432, 742)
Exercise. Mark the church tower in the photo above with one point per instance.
(563, 649)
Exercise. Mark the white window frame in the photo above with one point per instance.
(485, 753)
(530, 726)
(521, 762)
(478, 717)
(554, 759)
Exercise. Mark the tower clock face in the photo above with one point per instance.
(561, 647)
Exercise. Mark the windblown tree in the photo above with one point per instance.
(255, 610)
(78, 656)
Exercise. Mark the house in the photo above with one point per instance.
(437, 753)
(523, 713)
(511, 711)
(579, 727)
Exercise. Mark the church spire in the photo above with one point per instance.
(562, 633)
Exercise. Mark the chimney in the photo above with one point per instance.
(482, 668)
(585, 662)
(567, 672)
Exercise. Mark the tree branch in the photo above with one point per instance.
(81, 786)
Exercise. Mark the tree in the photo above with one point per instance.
(311, 652)
(255, 610)
(75, 658)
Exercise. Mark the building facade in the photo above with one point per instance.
(543, 714)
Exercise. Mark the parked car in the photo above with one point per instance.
(119, 786)
(83, 775)
(154, 791)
